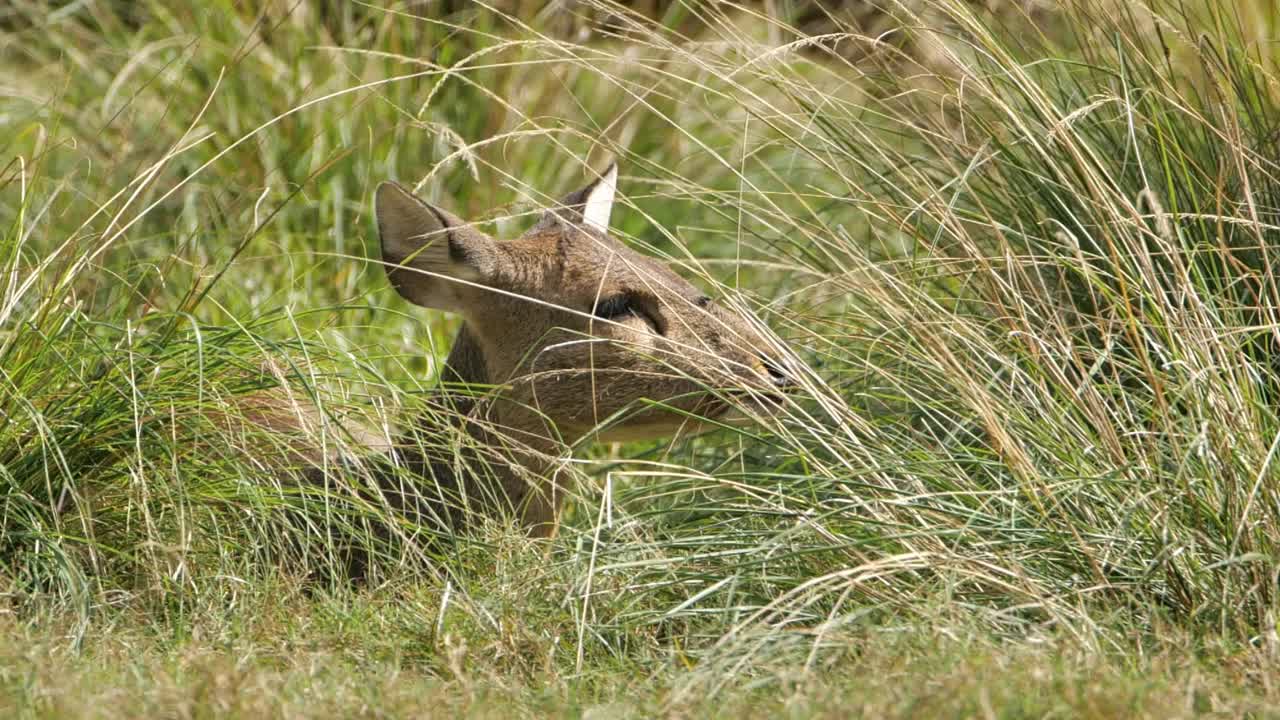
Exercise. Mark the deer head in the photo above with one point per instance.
(571, 321)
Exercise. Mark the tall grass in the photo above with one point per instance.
(1030, 292)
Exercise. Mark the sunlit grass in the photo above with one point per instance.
(1028, 287)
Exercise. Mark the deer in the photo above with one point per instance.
(572, 337)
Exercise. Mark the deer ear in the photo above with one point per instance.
(426, 250)
(591, 206)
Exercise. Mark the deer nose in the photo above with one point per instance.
(777, 375)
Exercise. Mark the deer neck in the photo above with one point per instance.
(527, 478)
(464, 371)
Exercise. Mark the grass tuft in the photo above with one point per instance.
(1024, 265)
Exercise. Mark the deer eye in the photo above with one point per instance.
(702, 301)
(613, 308)
(619, 307)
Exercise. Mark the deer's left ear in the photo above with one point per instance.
(591, 206)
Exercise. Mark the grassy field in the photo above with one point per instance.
(1026, 262)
